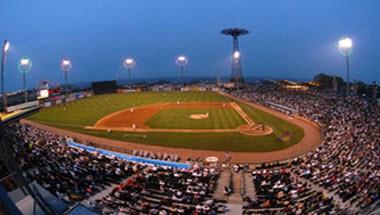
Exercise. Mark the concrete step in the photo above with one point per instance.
(249, 186)
(235, 197)
(223, 181)
(234, 209)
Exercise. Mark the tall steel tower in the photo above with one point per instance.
(236, 73)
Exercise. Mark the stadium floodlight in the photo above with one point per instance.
(24, 66)
(345, 47)
(66, 67)
(236, 55)
(129, 63)
(4, 51)
(182, 61)
(6, 46)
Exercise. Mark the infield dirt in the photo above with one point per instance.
(138, 115)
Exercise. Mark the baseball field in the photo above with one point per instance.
(192, 120)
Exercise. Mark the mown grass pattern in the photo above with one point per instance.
(78, 114)
(219, 118)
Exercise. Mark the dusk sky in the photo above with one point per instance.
(288, 38)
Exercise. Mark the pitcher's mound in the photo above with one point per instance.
(255, 130)
(199, 116)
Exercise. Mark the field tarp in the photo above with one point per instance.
(126, 157)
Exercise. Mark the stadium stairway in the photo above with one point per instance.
(234, 181)
(106, 191)
(249, 188)
(235, 196)
(224, 180)
(234, 209)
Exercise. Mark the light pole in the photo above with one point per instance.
(4, 51)
(66, 67)
(129, 63)
(24, 66)
(181, 62)
(236, 61)
(345, 48)
(237, 73)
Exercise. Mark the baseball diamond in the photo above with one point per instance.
(163, 119)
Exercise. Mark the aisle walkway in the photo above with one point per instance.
(99, 195)
(249, 187)
(235, 197)
(234, 209)
(224, 180)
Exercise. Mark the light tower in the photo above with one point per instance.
(24, 67)
(181, 61)
(4, 51)
(129, 63)
(236, 73)
(345, 48)
(66, 67)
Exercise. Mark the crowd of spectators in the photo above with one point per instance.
(163, 190)
(156, 155)
(73, 174)
(278, 191)
(347, 163)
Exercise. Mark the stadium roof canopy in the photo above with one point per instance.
(17, 115)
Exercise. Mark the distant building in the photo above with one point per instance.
(229, 85)
(293, 85)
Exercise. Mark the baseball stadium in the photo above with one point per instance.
(122, 129)
(193, 120)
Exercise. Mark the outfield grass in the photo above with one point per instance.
(89, 110)
(78, 114)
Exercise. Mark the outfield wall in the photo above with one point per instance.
(56, 100)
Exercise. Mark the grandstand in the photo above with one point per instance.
(340, 176)
(143, 108)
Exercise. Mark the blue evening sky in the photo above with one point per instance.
(289, 38)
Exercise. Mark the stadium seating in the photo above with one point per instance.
(159, 190)
(73, 174)
(341, 176)
(347, 163)
(278, 191)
